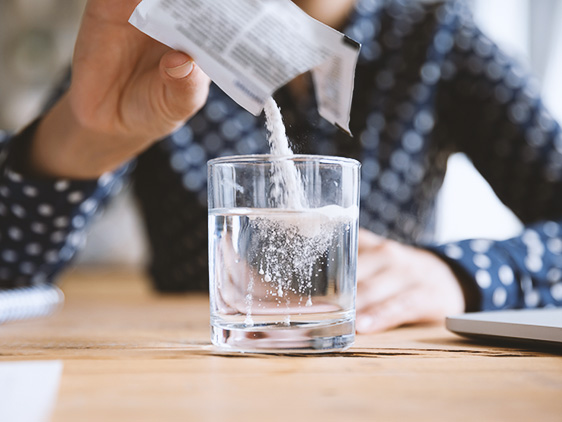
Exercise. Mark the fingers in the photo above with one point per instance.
(369, 265)
(369, 240)
(402, 308)
(111, 11)
(378, 289)
(399, 284)
(185, 87)
(369, 248)
(375, 254)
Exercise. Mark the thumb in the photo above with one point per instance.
(185, 86)
(177, 65)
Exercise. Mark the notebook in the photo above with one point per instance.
(29, 302)
(535, 325)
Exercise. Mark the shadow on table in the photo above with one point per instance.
(480, 346)
(494, 346)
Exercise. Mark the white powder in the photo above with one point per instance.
(278, 141)
(287, 190)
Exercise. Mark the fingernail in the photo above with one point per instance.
(180, 71)
(363, 324)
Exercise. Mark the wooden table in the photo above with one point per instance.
(131, 355)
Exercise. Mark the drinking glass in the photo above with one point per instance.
(283, 252)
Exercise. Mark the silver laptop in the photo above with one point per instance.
(540, 325)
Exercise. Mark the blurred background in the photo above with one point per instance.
(36, 42)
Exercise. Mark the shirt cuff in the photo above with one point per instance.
(44, 220)
(484, 270)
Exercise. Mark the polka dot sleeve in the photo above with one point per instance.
(523, 272)
(42, 222)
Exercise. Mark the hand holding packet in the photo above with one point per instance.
(251, 48)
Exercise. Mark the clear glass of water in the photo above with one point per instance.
(283, 252)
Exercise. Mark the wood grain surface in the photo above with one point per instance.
(132, 355)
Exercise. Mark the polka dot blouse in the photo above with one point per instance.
(428, 84)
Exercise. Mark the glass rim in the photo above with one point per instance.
(264, 158)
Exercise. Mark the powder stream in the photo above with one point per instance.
(287, 191)
(310, 232)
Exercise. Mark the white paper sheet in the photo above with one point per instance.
(28, 390)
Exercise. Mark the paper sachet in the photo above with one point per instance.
(251, 48)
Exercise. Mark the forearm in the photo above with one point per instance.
(64, 148)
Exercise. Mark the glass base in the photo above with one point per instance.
(293, 338)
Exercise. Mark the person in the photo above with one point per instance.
(428, 83)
